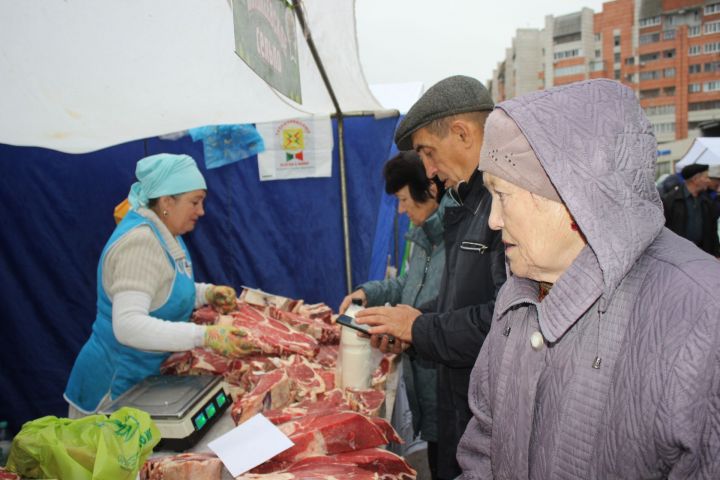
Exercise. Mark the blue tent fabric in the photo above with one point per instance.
(283, 237)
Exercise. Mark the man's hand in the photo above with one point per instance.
(359, 294)
(396, 321)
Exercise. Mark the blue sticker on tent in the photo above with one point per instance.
(225, 144)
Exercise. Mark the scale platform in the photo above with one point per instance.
(182, 407)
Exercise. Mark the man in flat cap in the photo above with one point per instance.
(690, 212)
(445, 126)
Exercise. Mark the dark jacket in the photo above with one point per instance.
(676, 218)
(454, 332)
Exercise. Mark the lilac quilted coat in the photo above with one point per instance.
(626, 384)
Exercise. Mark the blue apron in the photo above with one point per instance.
(104, 365)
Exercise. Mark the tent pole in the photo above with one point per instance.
(297, 6)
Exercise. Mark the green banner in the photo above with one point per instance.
(265, 39)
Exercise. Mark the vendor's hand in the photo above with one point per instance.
(388, 344)
(228, 341)
(222, 297)
(357, 294)
(396, 321)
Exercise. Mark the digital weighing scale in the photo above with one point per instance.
(182, 407)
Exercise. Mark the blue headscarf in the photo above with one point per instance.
(164, 174)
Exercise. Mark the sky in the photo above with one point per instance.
(428, 40)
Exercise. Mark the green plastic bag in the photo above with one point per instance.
(95, 447)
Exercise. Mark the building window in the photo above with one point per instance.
(711, 105)
(694, 31)
(597, 66)
(650, 22)
(575, 52)
(712, 67)
(616, 40)
(649, 57)
(598, 37)
(713, 86)
(660, 110)
(669, 53)
(669, 91)
(617, 75)
(694, 88)
(695, 68)
(616, 57)
(712, 8)
(572, 70)
(669, 73)
(667, 127)
(712, 27)
(649, 38)
(631, 78)
(630, 61)
(653, 93)
(598, 53)
(653, 75)
(669, 34)
(712, 47)
(694, 50)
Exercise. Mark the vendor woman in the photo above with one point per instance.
(146, 289)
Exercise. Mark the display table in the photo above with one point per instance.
(225, 423)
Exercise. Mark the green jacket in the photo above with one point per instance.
(418, 285)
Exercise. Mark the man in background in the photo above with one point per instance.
(690, 212)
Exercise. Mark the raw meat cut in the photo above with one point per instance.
(273, 390)
(5, 475)
(329, 471)
(367, 402)
(327, 434)
(315, 310)
(205, 315)
(381, 463)
(327, 355)
(386, 464)
(330, 401)
(185, 466)
(269, 335)
(198, 361)
(262, 299)
(324, 333)
(311, 379)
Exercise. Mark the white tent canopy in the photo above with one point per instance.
(81, 75)
(704, 150)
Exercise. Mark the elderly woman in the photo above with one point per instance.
(603, 359)
(146, 289)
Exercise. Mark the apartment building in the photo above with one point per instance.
(668, 51)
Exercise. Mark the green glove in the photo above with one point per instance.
(228, 341)
(222, 297)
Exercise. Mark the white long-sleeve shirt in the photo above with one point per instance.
(137, 278)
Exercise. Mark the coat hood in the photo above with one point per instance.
(598, 149)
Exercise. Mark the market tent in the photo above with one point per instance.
(106, 78)
(705, 150)
(81, 75)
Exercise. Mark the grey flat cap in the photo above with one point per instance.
(453, 95)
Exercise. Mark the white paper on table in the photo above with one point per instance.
(249, 444)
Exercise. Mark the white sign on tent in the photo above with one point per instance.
(298, 148)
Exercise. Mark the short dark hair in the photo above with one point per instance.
(406, 168)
